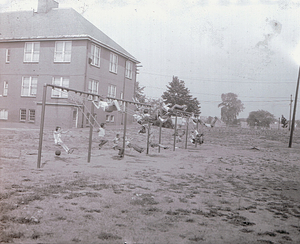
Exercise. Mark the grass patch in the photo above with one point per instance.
(143, 199)
(27, 199)
(179, 211)
(108, 236)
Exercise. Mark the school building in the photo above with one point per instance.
(60, 47)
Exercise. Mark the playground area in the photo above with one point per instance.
(239, 186)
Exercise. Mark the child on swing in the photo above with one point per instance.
(153, 144)
(127, 143)
(197, 138)
(58, 141)
(108, 107)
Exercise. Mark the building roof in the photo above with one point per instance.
(55, 24)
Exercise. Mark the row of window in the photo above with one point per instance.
(29, 87)
(62, 53)
(25, 115)
(29, 115)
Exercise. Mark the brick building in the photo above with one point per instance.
(59, 46)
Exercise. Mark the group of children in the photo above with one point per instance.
(116, 141)
(196, 138)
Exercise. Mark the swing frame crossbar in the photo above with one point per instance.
(91, 122)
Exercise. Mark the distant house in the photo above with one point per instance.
(59, 46)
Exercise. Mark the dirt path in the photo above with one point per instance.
(240, 186)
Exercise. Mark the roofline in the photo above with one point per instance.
(69, 37)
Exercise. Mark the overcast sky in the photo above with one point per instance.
(215, 46)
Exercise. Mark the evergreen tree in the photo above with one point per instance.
(139, 93)
(177, 93)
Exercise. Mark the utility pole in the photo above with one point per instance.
(290, 112)
(294, 113)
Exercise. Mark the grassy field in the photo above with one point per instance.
(240, 186)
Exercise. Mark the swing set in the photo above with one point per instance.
(91, 120)
(177, 113)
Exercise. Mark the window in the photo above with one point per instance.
(62, 51)
(112, 91)
(31, 51)
(95, 55)
(29, 86)
(31, 115)
(93, 88)
(22, 114)
(110, 118)
(5, 88)
(57, 92)
(113, 64)
(7, 56)
(128, 73)
(3, 114)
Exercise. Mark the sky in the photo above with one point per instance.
(248, 47)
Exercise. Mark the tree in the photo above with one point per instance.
(139, 93)
(260, 118)
(231, 106)
(177, 93)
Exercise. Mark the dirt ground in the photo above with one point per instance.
(240, 186)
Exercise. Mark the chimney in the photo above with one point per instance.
(44, 6)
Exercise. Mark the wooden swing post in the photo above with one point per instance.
(159, 138)
(125, 127)
(42, 126)
(187, 132)
(91, 132)
(175, 131)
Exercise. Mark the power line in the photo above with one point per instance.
(225, 80)
(219, 95)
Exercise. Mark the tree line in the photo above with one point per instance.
(231, 106)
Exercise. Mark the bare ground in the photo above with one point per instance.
(240, 186)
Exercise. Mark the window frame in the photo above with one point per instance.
(129, 69)
(112, 118)
(95, 56)
(60, 93)
(113, 63)
(7, 55)
(91, 86)
(32, 52)
(3, 111)
(30, 115)
(92, 89)
(112, 92)
(30, 86)
(63, 54)
(109, 118)
(24, 114)
(5, 89)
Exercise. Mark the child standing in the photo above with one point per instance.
(58, 141)
(101, 134)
